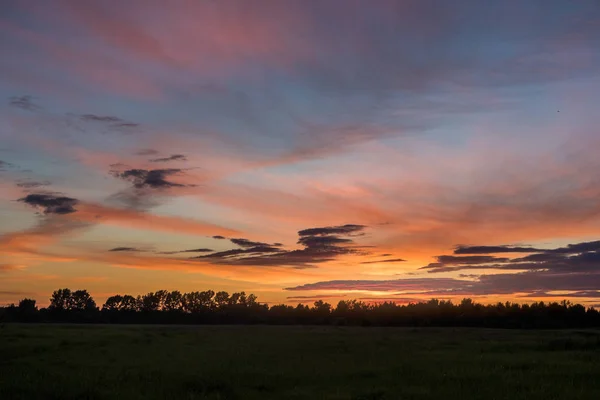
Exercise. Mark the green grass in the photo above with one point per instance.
(270, 362)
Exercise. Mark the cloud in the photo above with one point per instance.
(398, 300)
(117, 249)
(51, 204)
(201, 250)
(100, 118)
(577, 248)
(584, 293)
(24, 103)
(315, 297)
(524, 282)
(247, 243)
(413, 284)
(493, 249)
(149, 187)
(4, 165)
(219, 237)
(575, 267)
(32, 184)
(392, 260)
(234, 254)
(573, 257)
(332, 230)
(469, 259)
(108, 122)
(319, 245)
(153, 179)
(569, 249)
(147, 152)
(173, 157)
(112, 121)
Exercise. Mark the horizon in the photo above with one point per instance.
(301, 150)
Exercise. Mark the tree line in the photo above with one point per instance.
(208, 307)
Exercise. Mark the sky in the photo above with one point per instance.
(301, 150)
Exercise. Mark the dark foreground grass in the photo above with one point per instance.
(269, 362)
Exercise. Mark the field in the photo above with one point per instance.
(278, 362)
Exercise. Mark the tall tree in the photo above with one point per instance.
(61, 300)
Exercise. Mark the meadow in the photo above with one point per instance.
(46, 361)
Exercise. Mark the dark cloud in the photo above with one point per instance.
(493, 249)
(573, 268)
(434, 268)
(448, 263)
(332, 230)
(584, 293)
(4, 164)
(51, 204)
(445, 260)
(577, 248)
(154, 178)
(100, 118)
(147, 152)
(202, 250)
(251, 251)
(316, 297)
(247, 243)
(569, 249)
(108, 119)
(118, 165)
(125, 125)
(24, 103)
(404, 300)
(540, 257)
(125, 249)
(319, 245)
(412, 284)
(393, 260)
(524, 282)
(219, 237)
(173, 157)
(573, 257)
(110, 122)
(322, 241)
(32, 184)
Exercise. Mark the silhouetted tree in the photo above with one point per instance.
(150, 302)
(207, 307)
(81, 300)
(61, 300)
(173, 301)
(222, 299)
(113, 303)
(27, 306)
(195, 302)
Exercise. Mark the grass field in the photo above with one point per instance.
(271, 362)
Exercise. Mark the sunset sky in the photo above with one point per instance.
(384, 150)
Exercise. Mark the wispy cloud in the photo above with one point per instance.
(24, 102)
(173, 157)
(128, 249)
